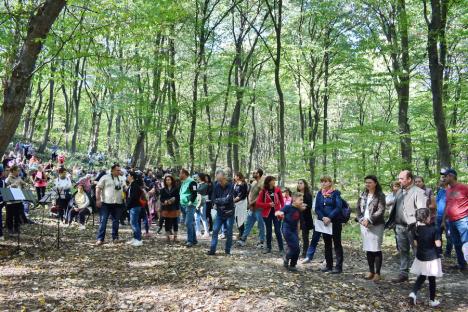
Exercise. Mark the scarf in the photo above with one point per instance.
(327, 193)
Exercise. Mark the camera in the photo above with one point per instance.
(118, 187)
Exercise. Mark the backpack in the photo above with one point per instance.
(345, 212)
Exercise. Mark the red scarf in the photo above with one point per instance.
(327, 193)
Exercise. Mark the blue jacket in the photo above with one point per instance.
(223, 198)
(329, 207)
(441, 201)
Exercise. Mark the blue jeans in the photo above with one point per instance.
(253, 216)
(292, 240)
(135, 222)
(271, 221)
(459, 236)
(448, 244)
(183, 210)
(144, 217)
(200, 216)
(229, 222)
(115, 211)
(313, 245)
(190, 224)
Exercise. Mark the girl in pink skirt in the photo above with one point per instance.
(427, 262)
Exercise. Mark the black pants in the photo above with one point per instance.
(305, 240)
(61, 207)
(209, 206)
(374, 259)
(432, 285)
(13, 216)
(40, 191)
(171, 224)
(272, 221)
(241, 230)
(82, 213)
(336, 238)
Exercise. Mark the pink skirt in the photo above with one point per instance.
(427, 268)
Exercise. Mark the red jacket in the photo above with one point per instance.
(264, 200)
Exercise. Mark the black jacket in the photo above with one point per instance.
(306, 216)
(167, 194)
(134, 194)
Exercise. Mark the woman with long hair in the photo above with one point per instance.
(270, 199)
(134, 196)
(370, 210)
(170, 209)
(240, 201)
(306, 221)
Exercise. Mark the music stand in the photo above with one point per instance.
(57, 192)
(17, 195)
(46, 199)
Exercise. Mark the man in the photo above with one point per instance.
(456, 211)
(407, 201)
(441, 201)
(254, 213)
(223, 200)
(188, 201)
(109, 200)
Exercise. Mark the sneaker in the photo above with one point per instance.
(266, 251)
(222, 236)
(434, 303)
(400, 279)
(130, 242)
(99, 243)
(260, 245)
(241, 243)
(82, 227)
(412, 298)
(336, 271)
(137, 243)
(306, 260)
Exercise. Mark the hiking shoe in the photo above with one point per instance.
(241, 243)
(260, 245)
(400, 279)
(434, 303)
(369, 276)
(137, 243)
(412, 298)
(377, 278)
(99, 243)
(306, 260)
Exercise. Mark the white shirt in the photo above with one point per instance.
(63, 185)
(366, 212)
(108, 185)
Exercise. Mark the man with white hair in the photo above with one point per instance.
(223, 200)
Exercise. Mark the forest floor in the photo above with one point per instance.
(169, 277)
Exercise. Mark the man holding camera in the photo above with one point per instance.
(109, 200)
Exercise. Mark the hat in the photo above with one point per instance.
(447, 171)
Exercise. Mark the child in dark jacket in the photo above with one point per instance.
(291, 215)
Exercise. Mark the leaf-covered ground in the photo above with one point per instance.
(169, 277)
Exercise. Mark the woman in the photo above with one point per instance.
(200, 215)
(240, 201)
(170, 209)
(209, 202)
(81, 206)
(370, 211)
(270, 199)
(306, 215)
(328, 206)
(134, 196)
(63, 186)
(40, 182)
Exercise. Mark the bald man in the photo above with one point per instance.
(407, 200)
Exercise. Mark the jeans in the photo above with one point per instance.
(336, 238)
(252, 216)
(313, 245)
(190, 224)
(115, 211)
(144, 216)
(448, 244)
(135, 222)
(459, 236)
(200, 215)
(218, 222)
(270, 221)
(183, 210)
(405, 241)
(292, 240)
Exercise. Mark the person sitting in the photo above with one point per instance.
(80, 207)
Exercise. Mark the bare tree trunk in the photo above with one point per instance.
(50, 111)
(17, 85)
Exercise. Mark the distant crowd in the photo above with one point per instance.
(213, 209)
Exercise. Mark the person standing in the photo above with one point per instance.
(307, 224)
(328, 206)
(134, 196)
(14, 209)
(441, 225)
(170, 209)
(407, 200)
(270, 200)
(456, 211)
(201, 211)
(223, 200)
(63, 187)
(40, 182)
(109, 200)
(240, 201)
(291, 216)
(370, 211)
(254, 214)
(188, 200)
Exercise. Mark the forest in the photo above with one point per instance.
(297, 87)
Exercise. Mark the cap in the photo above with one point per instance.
(446, 171)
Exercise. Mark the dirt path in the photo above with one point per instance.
(169, 277)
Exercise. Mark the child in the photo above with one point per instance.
(427, 262)
(291, 216)
(287, 197)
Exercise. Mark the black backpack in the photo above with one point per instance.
(345, 212)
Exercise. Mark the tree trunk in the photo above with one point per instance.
(50, 111)
(17, 85)
(77, 88)
(437, 57)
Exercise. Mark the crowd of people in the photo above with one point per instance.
(216, 209)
